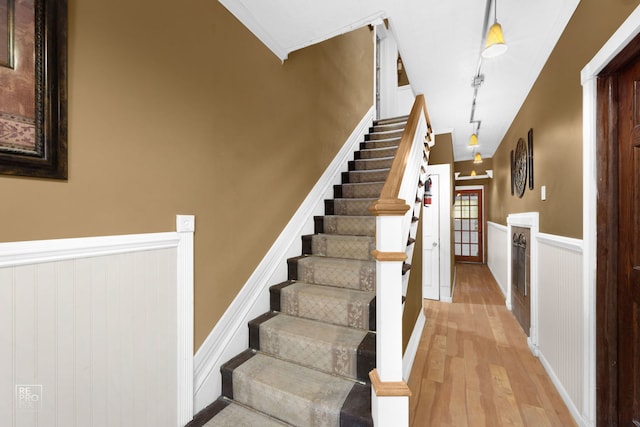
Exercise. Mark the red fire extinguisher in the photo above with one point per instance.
(427, 192)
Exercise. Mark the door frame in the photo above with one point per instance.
(484, 220)
(600, 331)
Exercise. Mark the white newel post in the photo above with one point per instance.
(389, 393)
(185, 227)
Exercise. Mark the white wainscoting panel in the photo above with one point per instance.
(562, 346)
(496, 255)
(93, 335)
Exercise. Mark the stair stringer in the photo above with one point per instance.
(230, 335)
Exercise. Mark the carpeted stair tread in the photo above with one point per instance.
(387, 127)
(339, 246)
(234, 415)
(368, 164)
(358, 190)
(375, 175)
(391, 120)
(340, 306)
(298, 395)
(376, 153)
(334, 349)
(349, 207)
(380, 143)
(355, 225)
(339, 272)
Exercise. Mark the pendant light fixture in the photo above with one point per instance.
(473, 173)
(495, 45)
(473, 140)
(477, 158)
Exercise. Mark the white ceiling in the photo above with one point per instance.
(440, 43)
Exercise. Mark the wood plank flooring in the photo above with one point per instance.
(473, 366)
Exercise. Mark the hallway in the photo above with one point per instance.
(473, 366)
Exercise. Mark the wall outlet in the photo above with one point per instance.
(543, 192)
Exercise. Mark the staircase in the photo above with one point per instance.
(309, 358)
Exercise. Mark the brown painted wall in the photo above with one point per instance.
(175, 108)
(553, 109)
(413, 300)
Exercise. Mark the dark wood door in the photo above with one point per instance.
(629, 246)
(618, 243)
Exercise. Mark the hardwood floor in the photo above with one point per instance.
(473, 366)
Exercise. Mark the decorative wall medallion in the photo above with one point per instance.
(520, 162)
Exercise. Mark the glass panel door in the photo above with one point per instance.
(467, 228)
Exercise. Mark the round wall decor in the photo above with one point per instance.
(520, 168)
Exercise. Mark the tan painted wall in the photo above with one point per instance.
(553, 109)
(175, 108)
(413, 300)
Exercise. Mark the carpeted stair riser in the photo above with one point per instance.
(375, 175)
(348, 207)
(358, 190)
(339, 306)
(376, 153)
(339, 272)
(333, 349)
(380, 143)
(369, 164)
(226, 413)
(346, 225)
(383, 135)
(337, 246)
(295, 394)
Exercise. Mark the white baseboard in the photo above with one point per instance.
(412, 347)
(563, 393)
(230, 335)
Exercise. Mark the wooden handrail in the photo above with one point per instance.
(389, 203)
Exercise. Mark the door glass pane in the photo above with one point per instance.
(465, 237)
(465, 250)
(474, 250)
(473, 213)
(465, 224)
(458, 249)
(473, 199)
(458, 237)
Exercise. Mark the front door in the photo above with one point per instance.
(467, 228)
(629, 246)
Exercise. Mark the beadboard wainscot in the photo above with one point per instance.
(99, 330)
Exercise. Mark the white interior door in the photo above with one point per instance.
(431, 242)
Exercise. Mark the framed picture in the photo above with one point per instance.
(33, 93)
(530, 157)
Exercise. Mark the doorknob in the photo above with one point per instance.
(434, 244)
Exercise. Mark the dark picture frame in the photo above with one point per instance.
(34, 144)
(530, 157)
(511, 171)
